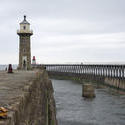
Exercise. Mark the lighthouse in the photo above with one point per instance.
(24, 45)
(34, 61)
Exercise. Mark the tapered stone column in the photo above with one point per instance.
(24, 45)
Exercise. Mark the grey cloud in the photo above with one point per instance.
(65, 19)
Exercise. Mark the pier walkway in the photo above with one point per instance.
(28, 97)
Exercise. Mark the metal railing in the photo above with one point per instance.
(113, 71)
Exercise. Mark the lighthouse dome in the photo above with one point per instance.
(24, 21)
(24, 27)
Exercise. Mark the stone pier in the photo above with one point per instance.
(28, 97)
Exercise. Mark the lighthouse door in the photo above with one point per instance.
(24, 62)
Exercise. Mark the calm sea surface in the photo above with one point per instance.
(72, 109)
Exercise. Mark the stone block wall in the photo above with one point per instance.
(36, 105)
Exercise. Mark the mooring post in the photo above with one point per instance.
(10, 69)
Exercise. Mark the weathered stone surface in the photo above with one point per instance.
(28, 96)
(88, 91)
(24, 45)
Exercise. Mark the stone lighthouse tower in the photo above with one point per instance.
(24, 45)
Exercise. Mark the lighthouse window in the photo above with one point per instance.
(24, 27)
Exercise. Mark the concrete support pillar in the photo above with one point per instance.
(122, 72)
(60, 68)
(88, 90)
(50, 68)
(63, 68)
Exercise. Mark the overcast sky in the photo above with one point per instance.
(65, 31)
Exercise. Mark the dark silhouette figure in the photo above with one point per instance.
(10, 69)
(24, 64)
